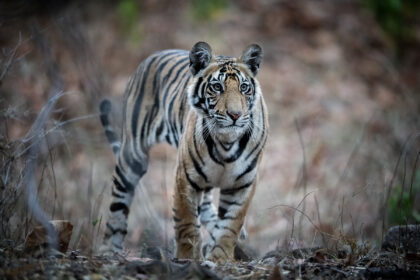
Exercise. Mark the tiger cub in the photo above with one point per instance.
(211, 107)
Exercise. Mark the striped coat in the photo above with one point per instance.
(212, 109)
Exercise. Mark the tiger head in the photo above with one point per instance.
(224, 89)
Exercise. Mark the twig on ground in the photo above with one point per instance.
(29, 180)
(298, 210)
(297, 207)
(391, 182)
(304, 173)
(319, 220)
(414, 173)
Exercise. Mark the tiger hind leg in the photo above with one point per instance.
(126, 176)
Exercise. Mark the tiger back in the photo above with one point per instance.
(212, 109)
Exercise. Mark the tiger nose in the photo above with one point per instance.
(234, 115)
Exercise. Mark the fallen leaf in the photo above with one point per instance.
(37, 239)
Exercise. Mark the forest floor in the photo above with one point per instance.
(314, 263)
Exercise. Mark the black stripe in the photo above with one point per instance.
(176, 219)
(207, 189)
(250, 167)
(184, 102)
(175, 90)
(191, 182)
(204, 208)
(197, 87)
(221, 212)
(135, 165)
(155, 108)
(116, 230)
(230, 229)
(230, 202)
(201, 104)
(172, 121)
(174, 134)
(251, 99)
(221, 248)
(181, 231)
(172, 117)
(260, 142)
(156, 88)
(116, 194)
(118, 185)
(175, 79)
(195, 145)
(212, 236)
(226, 146)
(229, 218)
(143, 140)
(139, 99)
(197, 166)
(168, 139)
(185, 226)
(159, 130)
(206, 203)
(234, 190)
(126, 183)
(117, 206)
(241, 147)
(211, 147)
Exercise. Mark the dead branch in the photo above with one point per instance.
(9, 60)
(304, 173)
(31, 164)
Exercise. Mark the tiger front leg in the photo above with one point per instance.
(187, 224)
(233, 205)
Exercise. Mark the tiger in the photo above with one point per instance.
(212, 109)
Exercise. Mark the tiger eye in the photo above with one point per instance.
(217, 87)
(244, 87)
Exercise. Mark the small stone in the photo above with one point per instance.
(270, 261)
(7, 243)
(253, 263)
(404, 238)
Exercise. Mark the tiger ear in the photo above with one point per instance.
(252, 57)
(200, 56)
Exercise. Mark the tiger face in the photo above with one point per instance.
(224, 89)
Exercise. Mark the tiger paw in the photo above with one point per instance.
(106, 250)
(220, 255)
(109, 248)
(188, 251)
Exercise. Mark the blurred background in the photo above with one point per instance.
(341, 80)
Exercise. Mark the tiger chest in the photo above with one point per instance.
(218, 170)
